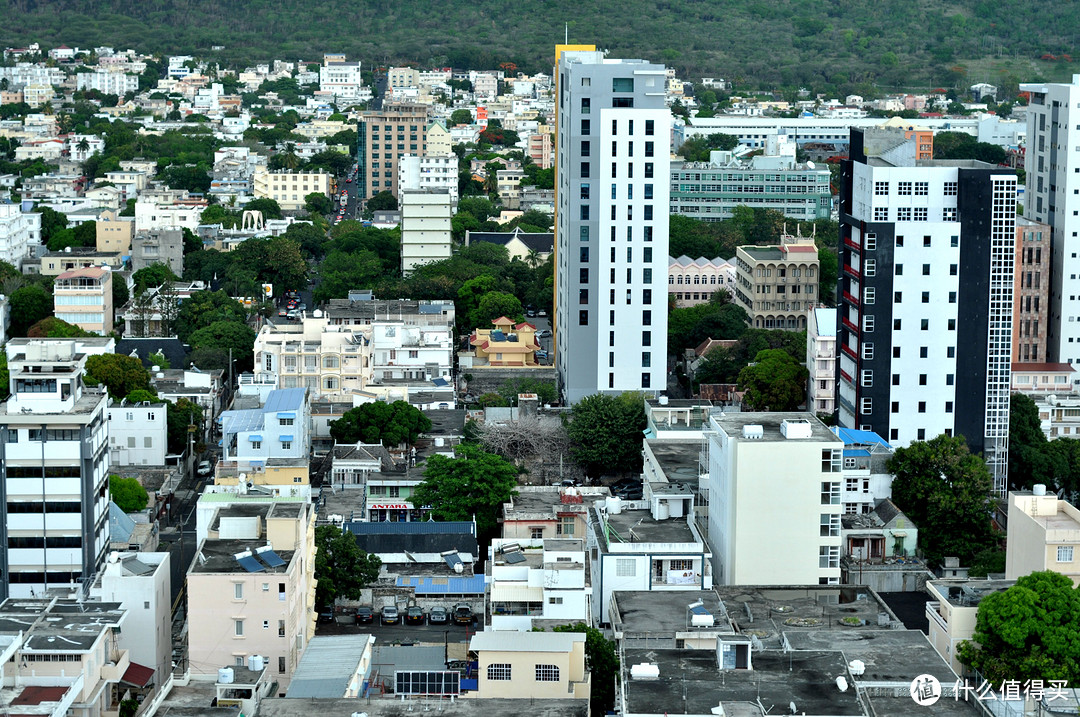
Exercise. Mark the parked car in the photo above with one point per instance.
(326, 614)
(541, 355)
(293, 315)
(438, 616)
(365, 615)
(463, 614)
(390, 615)
(543, 333)
(205, 468)
(631, 493)
(414, 615)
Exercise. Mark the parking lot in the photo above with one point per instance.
(388, 634)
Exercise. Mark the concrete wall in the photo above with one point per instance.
(486, 380)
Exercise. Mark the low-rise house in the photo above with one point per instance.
(694, 281)
(138, 433)
(72, 258)
(533, 248)
(1042, 379)
(537, 583)
(83, 297)
(158, 246)
(867, 480)
(549, 512)
(506, 344)
(538, 666)
(1043, 534)
(952, 610)
(879, 550)
(334, 666)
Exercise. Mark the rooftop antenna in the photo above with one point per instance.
(566, 33)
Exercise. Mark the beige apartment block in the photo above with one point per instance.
(531, 665)
(114, 233)
(1044, 534)
(84, 297)
(439, 141)
(251, 587)
(776, 285)
(398, 129)
(952, 611)
(288, 189)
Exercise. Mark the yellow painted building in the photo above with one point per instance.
(439, 142)
(1044, 534)
(531, 665)
(114, 233)
(952, 610)
(506, 344)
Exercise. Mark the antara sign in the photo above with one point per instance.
(390, 506)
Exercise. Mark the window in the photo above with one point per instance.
(286, 421)
(586, 126)
(866, 406)
(281, 663)
(830, 493)
(649, 149)
(903, 214)
(238, 591)
(583, 255)
(286, 445)
(648, 212)
(829, 556)
(586, 105)
(646, 380)
(238, 628)
(881, 214)
(585, 213)
(498, 671)
(830, 525)
(926, 297)
(625, 567)
(584, 233)
(585, 148)
(583, 318)
(256, 445)
(903, 189)
(554, 601)
(648, 170)
(648, 191)
(584, 192)
(584, 170)
(1065, 554)
(922, 189)
(950, 189)
(881, 189)
(649, 127)
(646, 338)
(622, 84)
(921, 214)
(870, 242)
(547, 673)
(870, 268)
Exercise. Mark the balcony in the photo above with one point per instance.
(113, 670)
(933, 614)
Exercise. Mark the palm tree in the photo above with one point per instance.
(532, 259)
(83, 146)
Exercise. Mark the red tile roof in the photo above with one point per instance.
(138, 675)
(1042, 367)
(37, 695)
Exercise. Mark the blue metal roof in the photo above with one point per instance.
(856, 453)
(241, 421)
(851, 436)
(453, 585)
(284, 399)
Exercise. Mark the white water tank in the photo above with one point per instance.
(1038, 489)
(644, 671)
(255, 663)
(614, 505)
(841, 683)
(856, 667)
(663, 510)
(440, 442)
(225, 675)
(662, 400)
(699, 620)
(459, 568)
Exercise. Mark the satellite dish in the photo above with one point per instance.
(810, 165)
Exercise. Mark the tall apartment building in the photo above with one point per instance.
(611, 225)
(54, 465)
(429, 172)
(821, 360)
(19, 231)
(777, 284)
(426, 216)
(385, 136)
(158, 246)
(784, 465)
(925, 296)
(1052, 164)
(84, 297)
(1031, 292)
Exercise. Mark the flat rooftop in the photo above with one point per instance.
(644, 612)
(733, 423)
(219, 556)
(539, 501)
(278, 707)
(678, 460)
(690, 682)
(969, 593)
(638, 526)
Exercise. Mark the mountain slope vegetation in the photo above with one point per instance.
(768, 43)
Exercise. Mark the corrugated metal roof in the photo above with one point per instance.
(856, 453)
(284, 399)
(473, 585)
(852, 436)
(327, 666)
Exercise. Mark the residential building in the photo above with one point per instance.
(83, 297)
(711, 190)
(288, 189)
(537, 583)
(879, 550)
(63, 657)
(141, 584)
(1043, 534)
(327, 360)
(400, 77)
(251, 587)
(277, 430)
(776, 285)
(439, 141)
(1059, 415)
(928, 249)
(1042, 379)
(425, 227)
(19, 231)
(924, 141)
(605, 312)
(657, 548)
(74, 258)
(1052, 180)
(114, 234)
(821, 361)
(867, 480)
(706, 276)
(1031, 291)
(52, 427)
(202, 387)
(158, 246)
(508, 187)
(138, 433)
(334, 666)
(429, 172)
(529, 247)
(111, 81)
(343, 79)
(506, 344)
(384, 136)
(952, 611)
(539, 666)
(154, 214)
(541, 151)
(540, 512)
(781, 464)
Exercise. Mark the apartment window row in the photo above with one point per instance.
(913, 214)
(908, 188)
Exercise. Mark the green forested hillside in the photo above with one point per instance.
(768, 43)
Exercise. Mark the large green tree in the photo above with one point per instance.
(53, 328)
(774, 382)
(697, 148)
(391, 424)
(29, 305)
(128, 494)
(151, 277)
(606, 431)
(718, 318)
(183, 421)
(474, 483)
(947, 492)
(1031, 460)
(120, 374)
(225, 335)
(205, 308)
(342, 569)
(1029, 632)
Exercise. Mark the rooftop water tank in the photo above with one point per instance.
(614, 505)
(225, 675)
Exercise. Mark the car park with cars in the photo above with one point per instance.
(365, 615)
(390, 615)
(438, 616)
(414, 615)
(463, 614)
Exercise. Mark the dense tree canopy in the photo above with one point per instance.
(947, 492)
(774, 382)
(205, 308)
(128, 494)
(225, 335)
(342, 569)
(391, 424)
(120, 374)
(1029, 632)
(29, 305)
(723, 365)
(605, 433)
(472, 483)
(715, 319)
